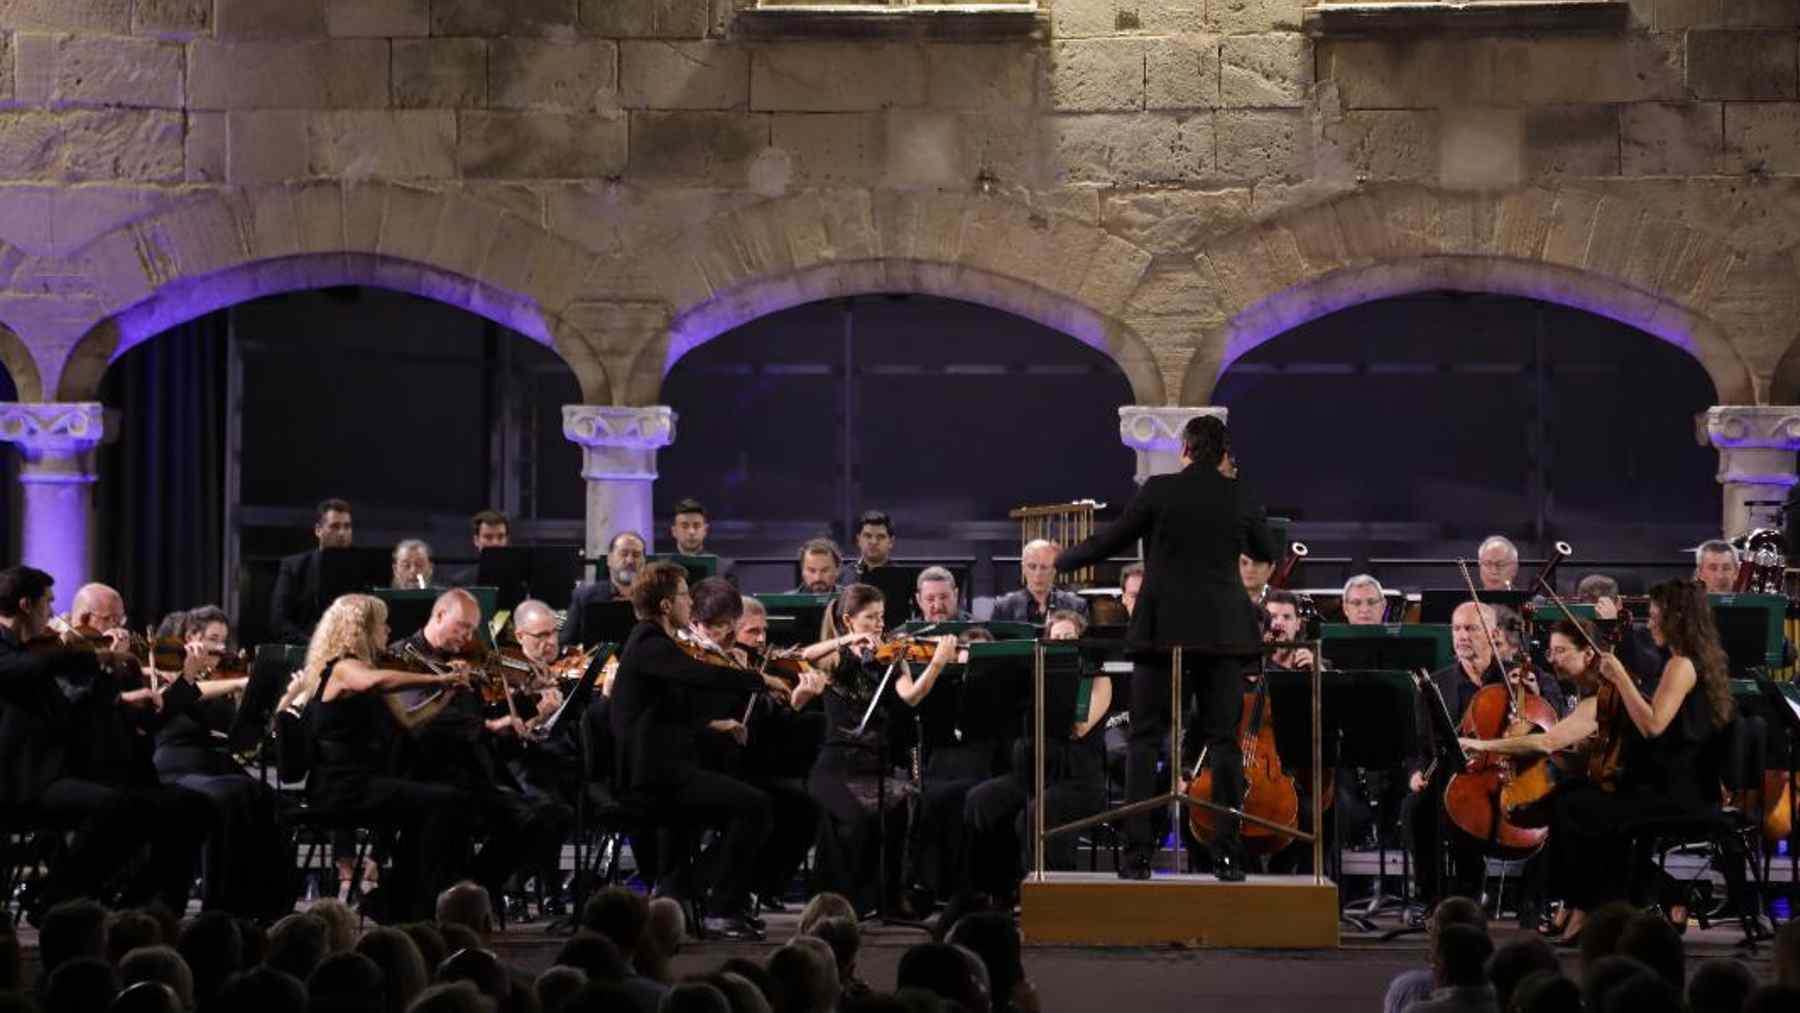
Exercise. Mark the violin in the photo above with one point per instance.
(905, 648)
(1537, 777)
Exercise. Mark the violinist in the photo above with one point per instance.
(350, 700)
(656, 716)
(1039, 597)
(58, 703)
(465, 747)
(746, 744)
(851, 776)
(1000, 810)
(624, 558)
(98, 614)
(246, 868)
(547, 769)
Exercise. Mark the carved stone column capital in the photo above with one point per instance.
(56, 441)
(1756, 445)
(618, 460)
(1155, 433)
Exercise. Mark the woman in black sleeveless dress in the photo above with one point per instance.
(354, 715)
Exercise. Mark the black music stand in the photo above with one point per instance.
(1391, 647)
(271, 670)
(795, 619)
(606, 622)
(1447, 758)
(1437, 603)
(1750, 630)
(351, 571)
(883, 700)
(1368, 720)
(517, 572)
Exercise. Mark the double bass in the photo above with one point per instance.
(1269, 792)
(1473, 798)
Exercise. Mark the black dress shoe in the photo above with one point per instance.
(733, 926)
(1135, 866)
(1228, 864)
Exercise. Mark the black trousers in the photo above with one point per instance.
(1216, 684)
(518, 827)
(1001, 816)
(111, 825)
(431, 823)
(1439, 848)
(744, 816)
(247, 867)
(795, 827)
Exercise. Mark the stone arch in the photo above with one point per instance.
(15, 355)
(993, 251)
(1570, 247)
(229, 247)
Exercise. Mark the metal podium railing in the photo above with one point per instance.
(1175, 795)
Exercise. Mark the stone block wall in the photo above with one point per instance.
(1166, 179)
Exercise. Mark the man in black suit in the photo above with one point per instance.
(624, 558)
(1193, 523)
(295, 608)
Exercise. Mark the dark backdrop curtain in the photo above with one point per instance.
(161, 494)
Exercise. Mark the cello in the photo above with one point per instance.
(1472, 798)
(1269, 791)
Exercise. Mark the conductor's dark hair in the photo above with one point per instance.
(1205, 440)
(21, 583)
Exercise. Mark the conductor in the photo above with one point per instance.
(1193, 523)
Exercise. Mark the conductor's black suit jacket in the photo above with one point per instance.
(1193, 524)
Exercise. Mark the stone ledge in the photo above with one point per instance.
(1468, 16)
(1020, 19)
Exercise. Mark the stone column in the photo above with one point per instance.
(56, 444)
(618, 460)
(1756, 445)
(1155, 433)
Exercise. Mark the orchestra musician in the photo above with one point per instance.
(999, 811)
(61, 713)
(545, 767)
(745, 743)
(245, 865)
(465, 747)
(1635, 648)
(1716, 566)
(820, 566)
(851, 777)
(295, 606)
(656, 716)
(1473, 635)
(1364, 601)
(1039, 597)
(1194, 524)
(1283, 623)
(488, 529)
(1499, 562)
(624, 559)
(1665, 770)
(98, 608)
(354, 719)
(937, 597)
(875, 542)
(688, 527)
(1131, 581)
(412, 564)
(1255, 574)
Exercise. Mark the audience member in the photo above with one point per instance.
(1599, 936)
(402, 965)
(263, 989)
(994, 937)
(432, 948)
(213, 946)
(255, 939)
(1409, 987)
(961, 904)
(85, 984)
(597, 997)
(1458, 964)
(1515, 959)
(844, 938)
(480, 968)
(941, 969)
(557, 984)
(620, 915)
(1544, 992)
(147, 997)
(824, 905)
(1773, 998)
(458, 937)
(12, 961)
(758, 975)
(467, 904)
(340, 922)
(1605, 974)
(297, 944)
(159, 963)
(128, 930)
(806, 977)
(661, 941)
(1649, 937)
(741, 992)
(74, 928)
(1719, 986)
(695, 997)
(460, 997)
(597, 958)
(1787, 953)
(347, 983)
(1642, 993)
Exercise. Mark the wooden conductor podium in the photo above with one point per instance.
(1100, 909)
